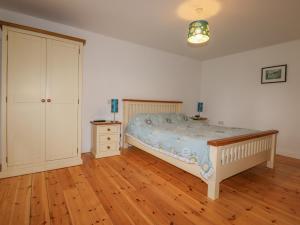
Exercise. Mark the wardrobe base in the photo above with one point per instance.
(11, 171)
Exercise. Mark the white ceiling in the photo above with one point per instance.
(236, 25)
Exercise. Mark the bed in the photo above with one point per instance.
(239, 151)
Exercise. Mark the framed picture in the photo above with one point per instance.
(273, 74)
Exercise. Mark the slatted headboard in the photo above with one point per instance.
(134, 106)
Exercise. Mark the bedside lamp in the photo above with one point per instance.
(114, 107)
(199, 108)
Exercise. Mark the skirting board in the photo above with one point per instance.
(50, 165)
(289, 153)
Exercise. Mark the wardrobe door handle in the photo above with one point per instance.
(48, 100)
(43, 100)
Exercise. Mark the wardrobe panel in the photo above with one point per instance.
(25, 89)
(62, 99)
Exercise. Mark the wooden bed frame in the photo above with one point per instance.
(229, 156)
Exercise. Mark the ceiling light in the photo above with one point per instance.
(198, 31)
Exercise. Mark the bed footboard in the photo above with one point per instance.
(233, 155)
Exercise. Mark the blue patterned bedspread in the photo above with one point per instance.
(176, 135)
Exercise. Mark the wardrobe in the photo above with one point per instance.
(40, 100)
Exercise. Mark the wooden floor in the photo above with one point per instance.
(137, 188)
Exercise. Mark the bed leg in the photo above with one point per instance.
(214, 181)
(213, 190)
(125, 145)
(270, 162)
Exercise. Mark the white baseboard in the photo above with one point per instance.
(289, 153)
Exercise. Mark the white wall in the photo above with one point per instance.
(231, 90)
(115, 68)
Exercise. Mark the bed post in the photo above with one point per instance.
(214, 181)
(125, 121)
(270, 162)
(125, 143)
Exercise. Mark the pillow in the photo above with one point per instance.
(174, 117)
(154, 119)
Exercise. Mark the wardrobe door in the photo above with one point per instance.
(62, 99)
(25, 92)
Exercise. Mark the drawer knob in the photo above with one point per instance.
(108, 138)
(108, 147)
(108, 129)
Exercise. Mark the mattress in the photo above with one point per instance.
(176, 135)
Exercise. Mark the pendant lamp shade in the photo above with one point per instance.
(198, 32)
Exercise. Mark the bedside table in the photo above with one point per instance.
(106, 138)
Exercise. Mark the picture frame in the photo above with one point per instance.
(274, 74)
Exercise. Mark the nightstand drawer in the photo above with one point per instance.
(108, 129)
(109, 138)
(108, 147)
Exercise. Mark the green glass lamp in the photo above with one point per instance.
(198, 32)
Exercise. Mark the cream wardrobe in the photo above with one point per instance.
(41, 101)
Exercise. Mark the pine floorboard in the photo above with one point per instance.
(137, 188)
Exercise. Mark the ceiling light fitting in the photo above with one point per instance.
(198, 30)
